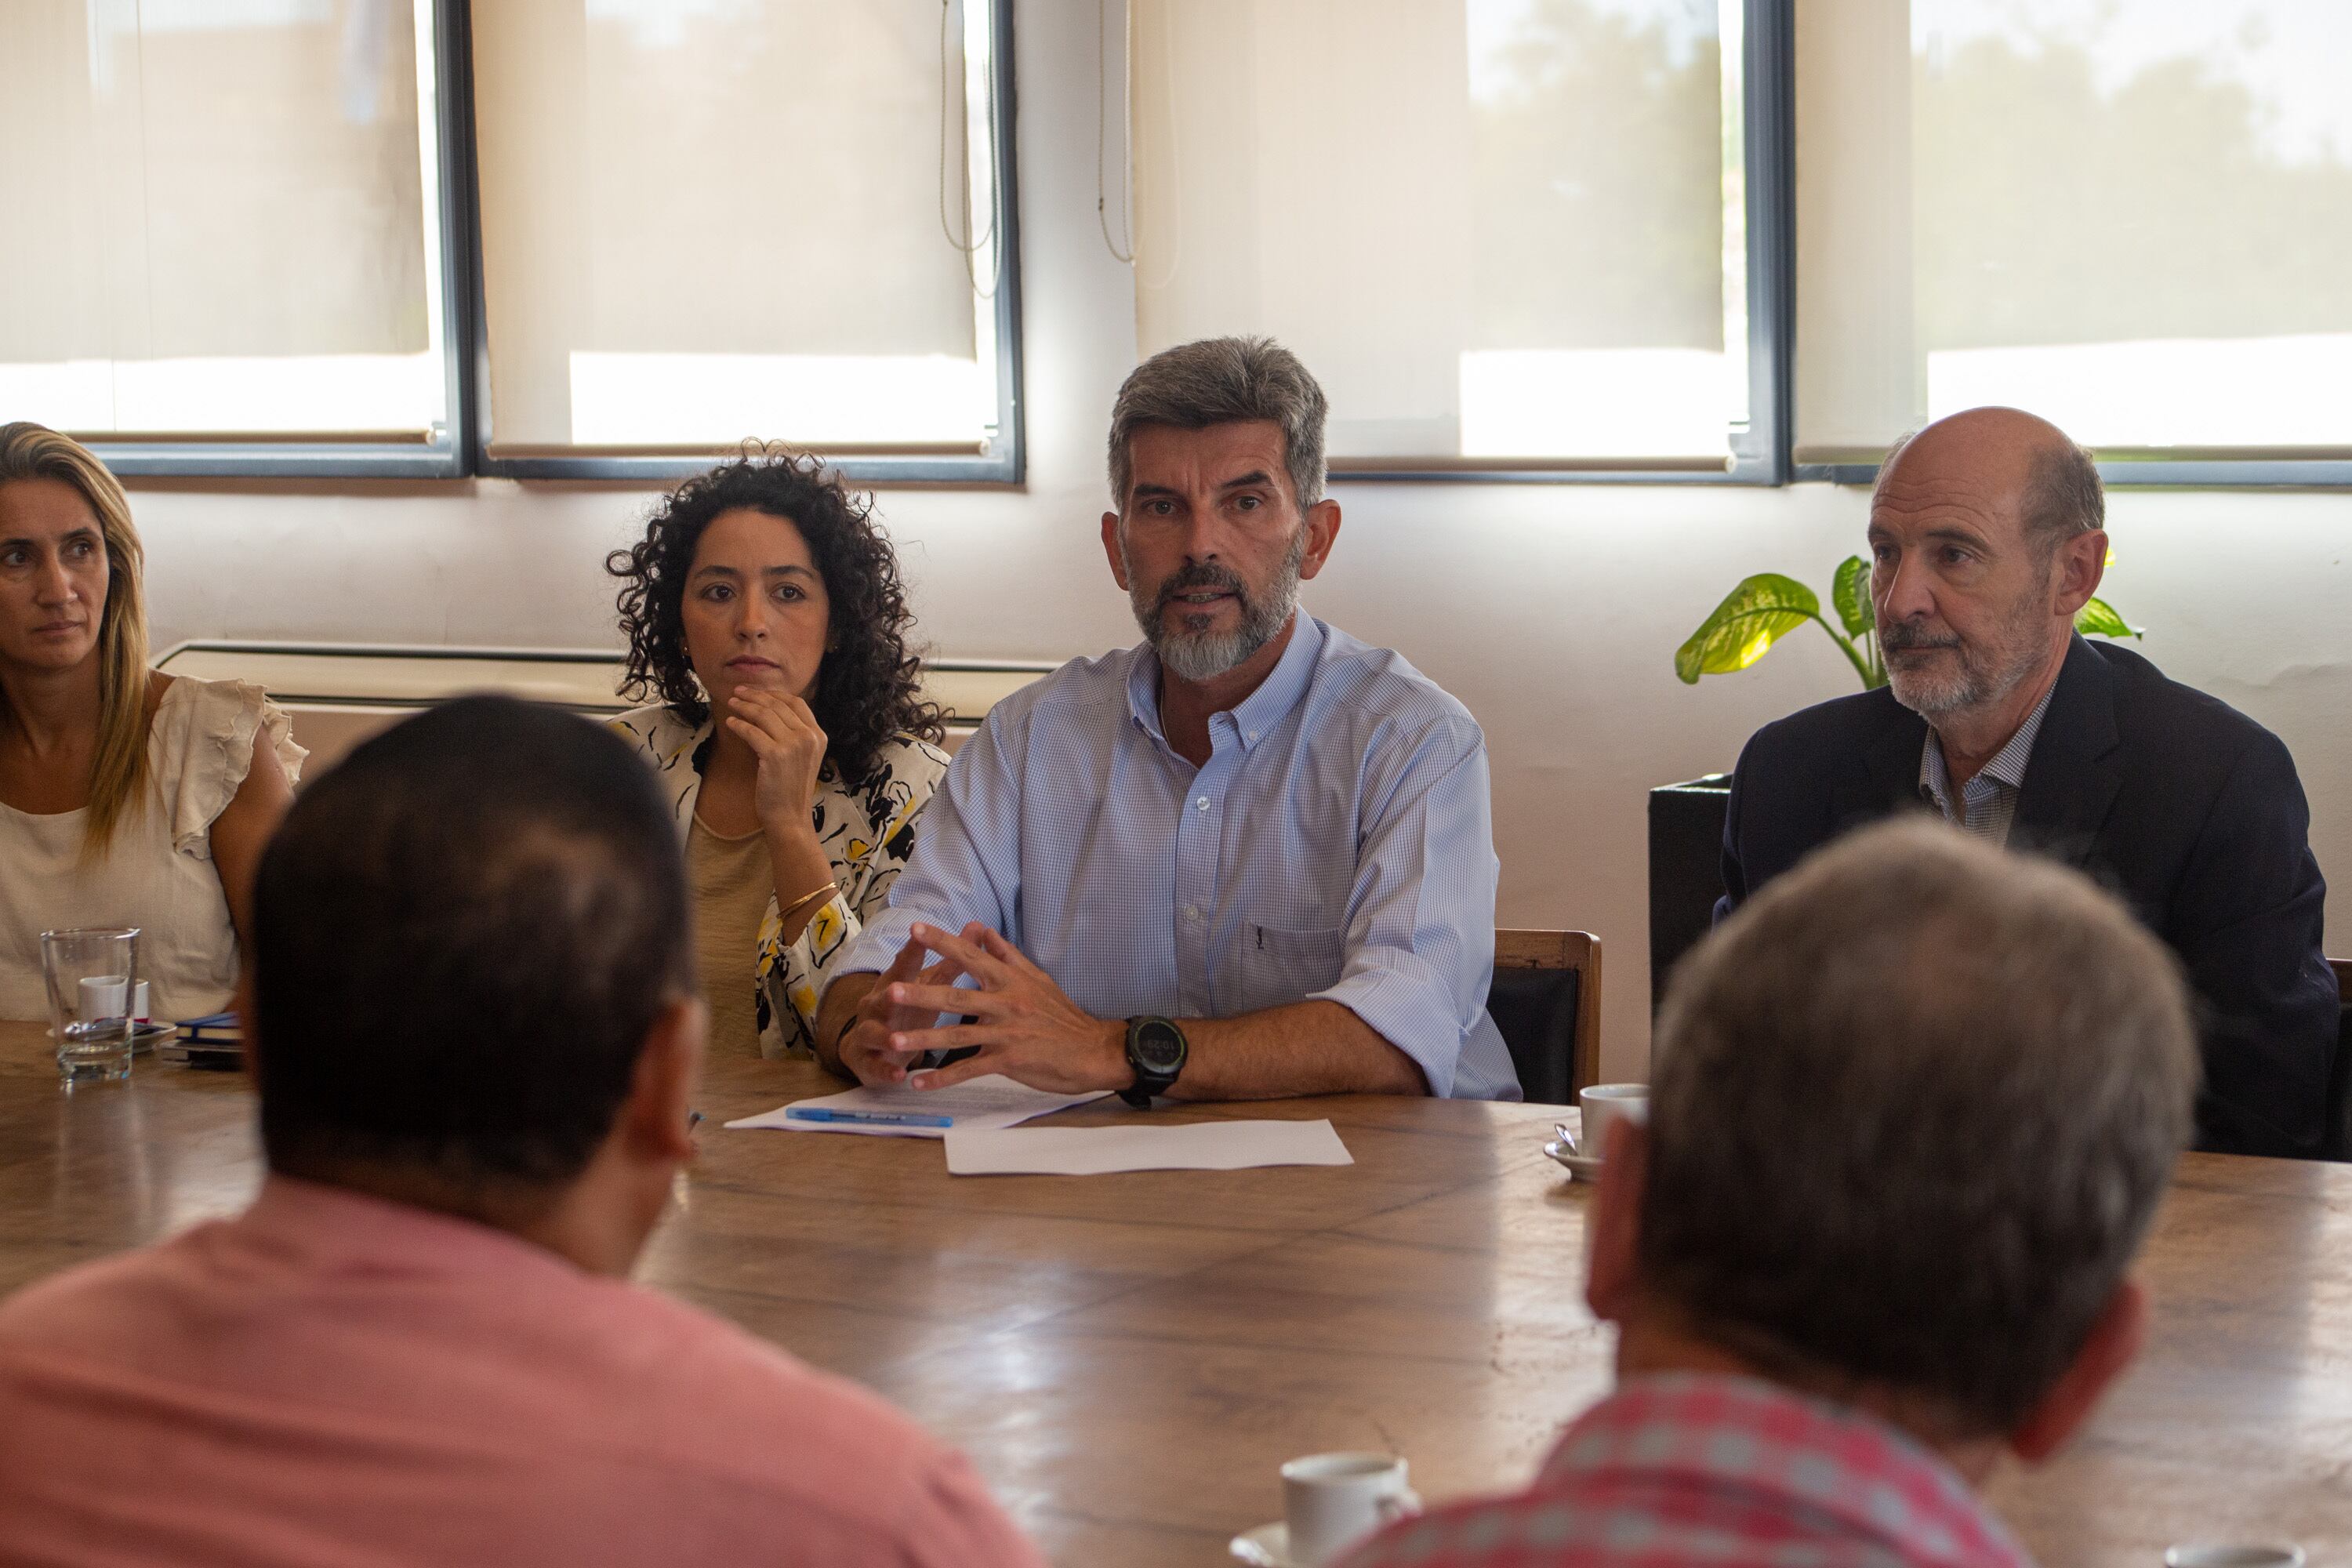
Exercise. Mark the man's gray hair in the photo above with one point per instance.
(1223, 381)
(1911, 1111)
(2064, 498)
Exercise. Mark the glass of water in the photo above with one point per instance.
(91, 973)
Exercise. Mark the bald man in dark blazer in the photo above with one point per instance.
(1986, 537)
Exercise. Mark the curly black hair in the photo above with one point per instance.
(867, 686)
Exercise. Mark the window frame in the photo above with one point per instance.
(463, 450)
(1760, 457)
(295, 457)
(2209, 472)
(1763, 457)
(2124, 466)
(1003, 464)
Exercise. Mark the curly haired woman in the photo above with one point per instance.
(763, 609)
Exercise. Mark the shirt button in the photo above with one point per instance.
(1192, 912)
(1202, 803)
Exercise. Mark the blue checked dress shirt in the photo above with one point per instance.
(1988, 802)
(1338, 846)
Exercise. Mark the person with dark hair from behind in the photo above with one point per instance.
(1911, 1112)
(764, 611)
(476, 1040)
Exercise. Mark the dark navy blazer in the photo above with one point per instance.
(2188, 809)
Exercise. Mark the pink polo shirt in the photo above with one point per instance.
(332, 1381)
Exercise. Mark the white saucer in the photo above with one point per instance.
(142, 1035)
(1267, 1546)
(1587, 1166)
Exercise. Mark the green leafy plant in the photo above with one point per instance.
(1768, 607)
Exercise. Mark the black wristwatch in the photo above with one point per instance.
(1156, 1050)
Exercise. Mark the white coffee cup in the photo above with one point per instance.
(104, 996)
(139, 1014)
(1330, 1502)
(1605, 1103)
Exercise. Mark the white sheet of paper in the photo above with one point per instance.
(1188, 1146)
(993, 1102)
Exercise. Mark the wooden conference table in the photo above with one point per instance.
(1128, 1358)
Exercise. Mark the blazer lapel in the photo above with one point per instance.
(2077, 764)
(1889, 779)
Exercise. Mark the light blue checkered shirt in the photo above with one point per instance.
(1988, 802)
(1336, 846)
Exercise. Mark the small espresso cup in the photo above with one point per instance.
(2229, 1556)
(1605, 1103)
(1330, 1502)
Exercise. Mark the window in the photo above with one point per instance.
(709, 220)
(227, 250)
(2135, 220)
(1507, 235)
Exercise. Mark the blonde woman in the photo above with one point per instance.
(127, 796)
(764, 608)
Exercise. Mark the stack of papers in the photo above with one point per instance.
(1190, 1146)
(992, 1102)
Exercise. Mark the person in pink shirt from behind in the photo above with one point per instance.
(477, 1044)
(1912, 1108)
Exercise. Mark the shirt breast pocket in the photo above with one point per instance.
(1282, 965)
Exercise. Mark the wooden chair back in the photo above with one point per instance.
(1546, 1000)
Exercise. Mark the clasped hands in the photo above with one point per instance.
(1024, 1026)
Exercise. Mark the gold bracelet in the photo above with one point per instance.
(814, 893)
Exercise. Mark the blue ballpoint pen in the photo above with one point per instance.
(880, 1118)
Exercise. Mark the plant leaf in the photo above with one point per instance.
(1850, 592)
(2097, 618)
(1753, 616)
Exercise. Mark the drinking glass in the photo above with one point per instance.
(91, 973)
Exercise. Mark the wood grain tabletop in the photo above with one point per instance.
(1128, 1358)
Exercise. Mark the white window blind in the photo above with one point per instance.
(1496, 231)
(709, 220)
(2134, 218)
(223, 219)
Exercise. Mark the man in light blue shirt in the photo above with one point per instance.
(1251, 857)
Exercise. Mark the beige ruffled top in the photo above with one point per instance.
(158, 873)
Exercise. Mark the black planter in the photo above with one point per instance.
(1685, 869)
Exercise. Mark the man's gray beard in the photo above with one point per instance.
(1933, 697)
(1973, 685)
(1205, 655)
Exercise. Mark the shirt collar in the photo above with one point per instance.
(1729, 1430)
(331, 1226)
(2007, 764)
(1255, 716)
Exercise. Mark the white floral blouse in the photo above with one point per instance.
(868, 834)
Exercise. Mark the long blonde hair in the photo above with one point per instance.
(118, 768)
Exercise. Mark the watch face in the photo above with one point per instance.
(1158, 1046)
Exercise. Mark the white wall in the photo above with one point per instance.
(1553, 611)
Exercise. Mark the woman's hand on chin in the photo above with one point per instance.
(785, 737)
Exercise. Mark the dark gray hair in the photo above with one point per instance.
(1912, 1110)
(1223, 381)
